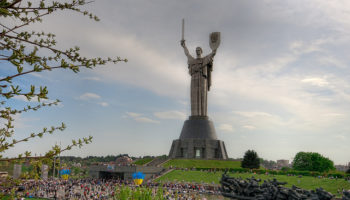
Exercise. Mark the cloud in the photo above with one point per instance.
(301, 48)
(35, 100)
(332, 61)
(20, 122)
(340, 137)
(146, 120)
(139, 118)
(89, 96)
(104, 104)
(226, 127)
(147, 67)
(251, 114)
(132, 114)
(321, 82)
(173, 114)
(23, 98)
(249, 127)
(92, 97)
(36, 75)
(182, 102)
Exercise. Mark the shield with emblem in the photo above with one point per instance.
(214, 40)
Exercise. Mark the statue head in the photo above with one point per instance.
(199, 51)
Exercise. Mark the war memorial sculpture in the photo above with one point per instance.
(198, 137)
(252, 189)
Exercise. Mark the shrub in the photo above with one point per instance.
(348, 171)
(250, 160)
(311, 161)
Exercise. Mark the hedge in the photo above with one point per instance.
(279, 172)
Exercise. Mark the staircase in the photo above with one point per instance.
(157, 161)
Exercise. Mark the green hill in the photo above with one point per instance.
(143, 161)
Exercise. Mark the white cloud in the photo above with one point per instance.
(253, 114)
(300, 47)
(332, 61)
(249, 127)
(132, 114)
(334, 115)
(316, 81)
(226, 127)
(23, 98)
(182, 102)
(20, 122)
(146, 120)
(340, 137)
(173, 114)
(36, 75)
(147, 67)
(88, 96)
(139, 118)
(35, 100)
(104, 104)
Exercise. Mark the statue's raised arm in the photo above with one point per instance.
(187, 53)
(211, 55)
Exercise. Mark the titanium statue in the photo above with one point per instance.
(200, 69)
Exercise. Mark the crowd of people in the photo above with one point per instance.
(67, 189)
(186, 189)
(105, 189)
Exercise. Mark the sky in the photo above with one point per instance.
(280, 84)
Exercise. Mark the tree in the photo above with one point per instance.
(268, 164)
(29, 52)
(250, 160)
(311, 161)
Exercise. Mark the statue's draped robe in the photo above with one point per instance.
(200, 71)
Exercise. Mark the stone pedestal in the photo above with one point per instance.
(44, 172)
(198, 140)
(17, 171)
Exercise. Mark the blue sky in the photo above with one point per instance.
(281, 80)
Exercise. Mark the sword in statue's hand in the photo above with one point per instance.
(183, 33)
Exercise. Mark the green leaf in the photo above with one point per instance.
(15, 63)
(19, 69)
(4, 11)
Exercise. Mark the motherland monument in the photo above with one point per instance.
(198, 137)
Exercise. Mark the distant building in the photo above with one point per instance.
(123, 161)
(76, 164)
(282, 163)
(122, 172)
(342, 168)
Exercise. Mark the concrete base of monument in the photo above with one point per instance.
(198, 140)
(198, 148)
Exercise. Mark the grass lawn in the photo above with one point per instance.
(188, 163)
(306, 182)
(143, 161)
